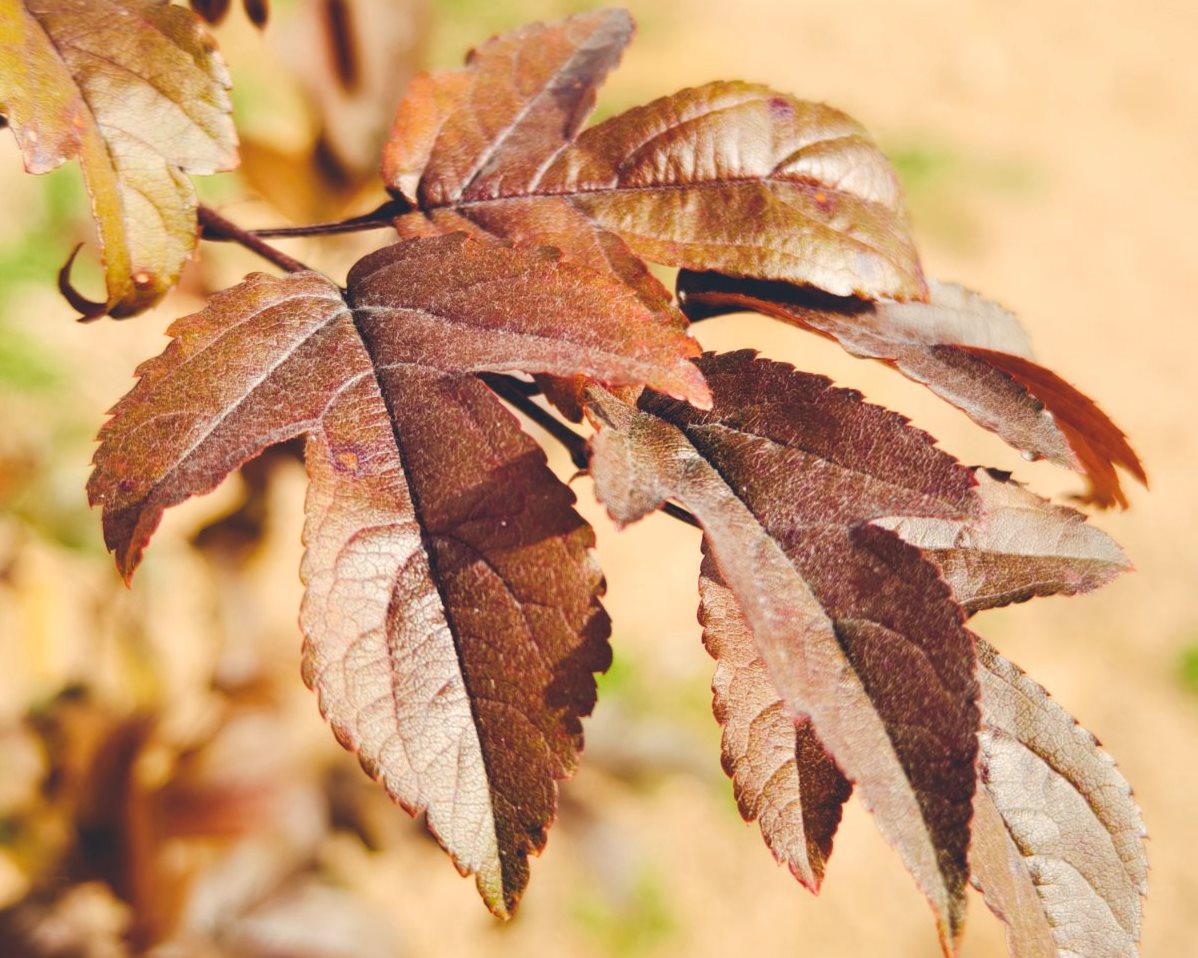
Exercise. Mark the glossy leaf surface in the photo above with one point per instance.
(728, 176)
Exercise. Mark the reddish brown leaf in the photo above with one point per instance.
(450, 615)
(450, 301)
(490, 128)
(135, 90)
(1098, 445)
(1057, 841)
(969, 351)
(257, 366)
(855, 629)
(729, 176)
(1060, 853)
(1022, 546)
(451, 621)
(781, 774)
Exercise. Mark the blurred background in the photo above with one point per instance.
(166, 783)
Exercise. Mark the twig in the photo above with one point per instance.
(376, 219)
(215, 227)
(519, 395)
(512, 390)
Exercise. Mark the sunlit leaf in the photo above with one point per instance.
(451, 620)
(137, 92)
(969, 351)
(855, 629)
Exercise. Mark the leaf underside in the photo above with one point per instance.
(137, 92)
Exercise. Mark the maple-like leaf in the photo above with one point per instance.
(728, 176)
(451, 618)
(1058, 840)
(1021, 547)
(854, 628)
(969, 351)
(137, 92)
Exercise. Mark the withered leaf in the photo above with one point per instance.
(855, 629)
(451, 617)
(728, 176)
(137, 92)
(1021, 547)
(969, 351)
(1058, 848)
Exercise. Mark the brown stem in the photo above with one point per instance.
(375, 219)
(213, 226)
(517, 393)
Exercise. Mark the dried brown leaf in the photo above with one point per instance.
(137, 92)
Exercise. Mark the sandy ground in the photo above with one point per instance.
(1052, 157)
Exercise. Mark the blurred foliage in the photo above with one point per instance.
(640, 922)
(1187, 668)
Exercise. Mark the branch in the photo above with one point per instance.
(213, 226)
(376, 219)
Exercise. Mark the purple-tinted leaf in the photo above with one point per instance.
(1022, 546)
(967, 350)
(854, 628)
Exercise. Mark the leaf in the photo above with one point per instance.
(855, 629)
(782, 776)
(575, 321)
(969, 351)
(1061, 830)
(136, 90)
(451, 618)
(728, 176)
(1057, 846)
(489, 128)
(1021, 547)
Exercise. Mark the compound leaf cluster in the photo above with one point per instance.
(451, 619)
